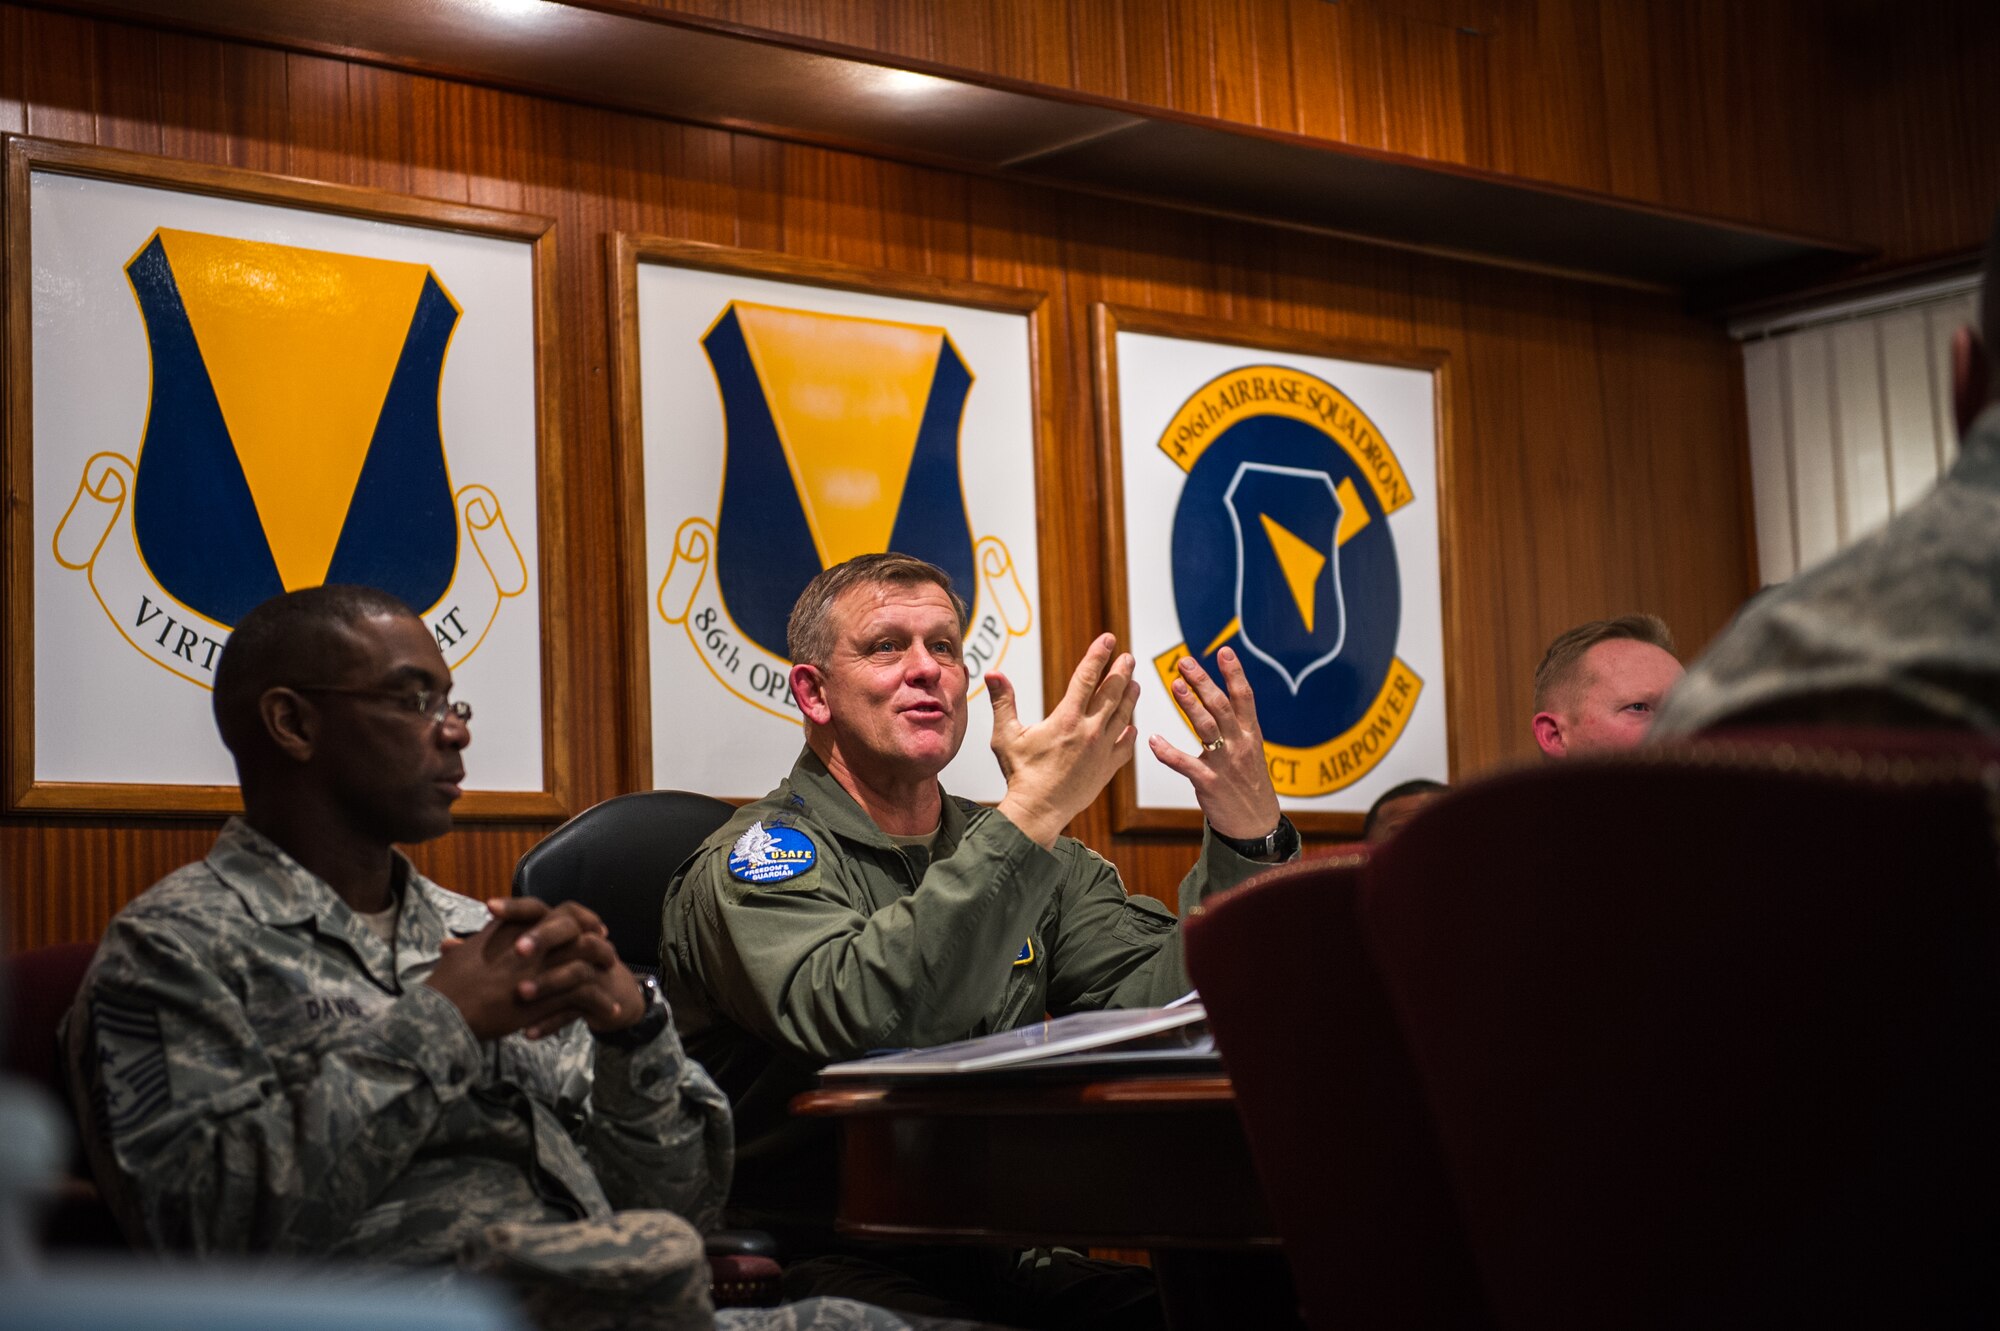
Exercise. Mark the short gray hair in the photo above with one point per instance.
(809, 633)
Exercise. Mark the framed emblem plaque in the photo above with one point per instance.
(223, 385)
(778, 416)
(1279, 494)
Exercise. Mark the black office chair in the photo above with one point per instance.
(617, 858)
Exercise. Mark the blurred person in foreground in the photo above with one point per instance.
(1902, 628)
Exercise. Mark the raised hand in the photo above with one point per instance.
(1232, 781)
(1055, 768)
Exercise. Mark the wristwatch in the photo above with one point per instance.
(1274, 846)
(651, 1022)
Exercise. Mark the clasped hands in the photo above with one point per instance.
(535, 968)
(1056, 767)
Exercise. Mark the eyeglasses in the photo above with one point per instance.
(428, 703)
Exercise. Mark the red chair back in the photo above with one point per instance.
(1711, 1036)
(41, 984)
(1329, 1102)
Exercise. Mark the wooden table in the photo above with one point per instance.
(1157, 1163)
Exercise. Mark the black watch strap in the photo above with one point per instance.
(651, 1022)
(1277, 844)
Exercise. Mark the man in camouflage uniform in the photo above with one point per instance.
(1899, 629)
(301, 1046)
(858, 906)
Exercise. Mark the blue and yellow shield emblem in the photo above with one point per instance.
(292, 438)
(293, 433)
(1287, 474)
(841, 439)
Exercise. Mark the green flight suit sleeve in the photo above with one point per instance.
(803, 968)
(1116, 950)
(212, 1147)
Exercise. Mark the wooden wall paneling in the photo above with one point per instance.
(13, 60)
(255, 104)
(1919, 166)
(1422, 82)
(1793, 114)
(1147, 47)
(495, 152)
(318, 117)
(1547, 121)
(192, 111)
(1672, 425)
(126, 77)
(1628, 39)
(755, 168)
(1328, 63)
(1030, 42)
(1267, 32)
(395, 133)
(67, 880)
(58, 61)
(1096, 47)
(1529, 449)
(591, 210)
(925, 224)
(1204, 76)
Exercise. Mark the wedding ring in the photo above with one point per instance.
(1214, 745)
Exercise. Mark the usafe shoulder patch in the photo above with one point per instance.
(766, 856)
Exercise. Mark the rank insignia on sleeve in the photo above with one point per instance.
(766, 855)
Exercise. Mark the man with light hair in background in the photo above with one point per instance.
(1600, 685)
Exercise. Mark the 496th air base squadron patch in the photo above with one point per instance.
(1282, 548)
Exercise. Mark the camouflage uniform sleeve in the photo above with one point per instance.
(1118, 950)
(206, 1143)
(797, 966)
(657, 1132)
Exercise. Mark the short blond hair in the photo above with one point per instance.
(1557, 673)
(809, 632)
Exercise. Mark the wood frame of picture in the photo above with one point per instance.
(26, 157)
(626, 251)
(1108, 320)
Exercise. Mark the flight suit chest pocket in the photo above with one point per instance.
(1143, 920)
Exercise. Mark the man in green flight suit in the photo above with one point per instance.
(859, 907)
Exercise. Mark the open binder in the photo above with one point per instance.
(1173, 1039)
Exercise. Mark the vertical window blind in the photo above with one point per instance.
(1850, 416)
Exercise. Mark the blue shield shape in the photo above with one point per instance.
(1288, 595)
(222, 535)
(842, 440)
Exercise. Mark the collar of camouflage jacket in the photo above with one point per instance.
(280, 892)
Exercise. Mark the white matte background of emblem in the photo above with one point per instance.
(103, 712)
(705, 737)
(1155, 376)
